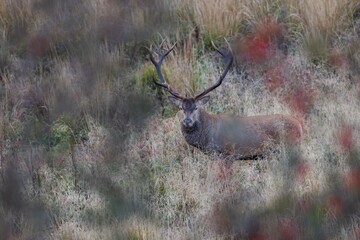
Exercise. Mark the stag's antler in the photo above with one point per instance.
(218, 83)
(157, 65)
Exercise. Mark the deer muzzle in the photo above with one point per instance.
(187, 122)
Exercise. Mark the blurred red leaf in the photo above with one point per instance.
(301, 169)
(38, 45)
(336, 58)
(357, 81)
(288, 230)
(301, 99)
(258, 236)
(357, 232)
(255, 49)
(258, 45)
(345, 138)
(335, 205)
(352, 180)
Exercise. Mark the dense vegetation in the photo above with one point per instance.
(91, 149)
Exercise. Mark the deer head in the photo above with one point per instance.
(190, 106)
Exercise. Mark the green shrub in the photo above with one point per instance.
(67, 131)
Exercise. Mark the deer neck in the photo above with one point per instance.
(198, 135)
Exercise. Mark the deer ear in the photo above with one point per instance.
(175, 101)
(202, 101)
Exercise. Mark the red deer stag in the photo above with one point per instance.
(235, 136)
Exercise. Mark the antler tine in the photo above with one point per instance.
(218, 50)
(158, 51)
(158, 70)
(218, 83)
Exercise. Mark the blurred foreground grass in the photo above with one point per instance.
(89, 148)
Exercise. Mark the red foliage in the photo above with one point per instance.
(335, 205)
(258, 45)
(358, 82)
(288, 230)
(256, 49)
(38, 45)
(336, 58)
(301, 99)
(258, 236)
(301, 169)
(357, 232)
(352, 180)
(345, 138)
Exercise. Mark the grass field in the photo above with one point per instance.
(91, 149)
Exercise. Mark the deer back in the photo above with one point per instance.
(242, 137)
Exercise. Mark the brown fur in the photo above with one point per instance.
(240, 137)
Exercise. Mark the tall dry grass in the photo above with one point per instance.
(325, 17)
(215, 18)
(319, 25)
(87, 151)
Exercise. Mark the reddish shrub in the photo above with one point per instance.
(301, 100)
(38, 45)
(254, 49)
(357, 232)
(258, 236)
(335, 205)
(260, 43)
(336, 58)
(301, 169)
(352, 180)
(345, 138)
(288, 230)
